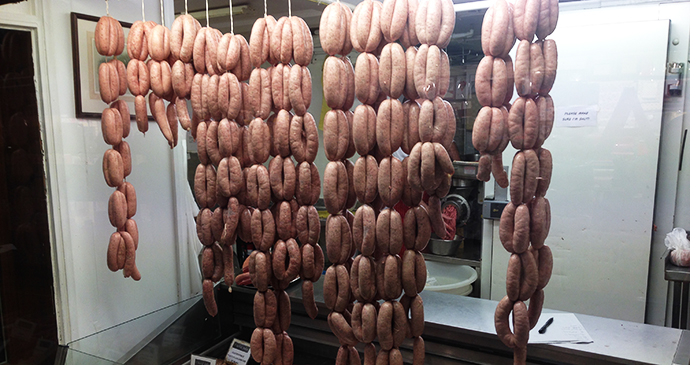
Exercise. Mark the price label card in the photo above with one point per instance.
(200, 360)
(239, 352)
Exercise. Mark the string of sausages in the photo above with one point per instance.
(146, 38)
(392, 321)
(138, 79)
(268, 313)
(267, 302)
(221, 62)
(117, 161)
(525, 221)
(339, 190)
(343, 32)
(379, 179)
(160, 75)
(182, 36)
(427, 137)
(416, 226)
(293, 190)
(296, 40)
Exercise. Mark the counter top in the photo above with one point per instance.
(469, 321)
(626, 341)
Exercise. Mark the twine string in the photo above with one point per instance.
(265, 9)
(232, 22)
(162, 16)
(289, 9)
(207, 22)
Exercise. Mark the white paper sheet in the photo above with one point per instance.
(566, 328)
(577, 116)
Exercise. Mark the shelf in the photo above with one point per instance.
(470, 254)
(452, 260)
(676, 273)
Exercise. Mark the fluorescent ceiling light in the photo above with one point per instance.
(472, 5)
(219, 12)
(351, 6)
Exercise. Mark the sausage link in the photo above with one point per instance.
(384, 323)
(545, 171)
(503, 310)
(536, 304)
(308, 299)
(545, 266)
(341, 329)
(513, 277)
(209, 299)
(366, 179)
(364, 230)
(530, 275)
(497, 30)
(400, 325)
(517, 178)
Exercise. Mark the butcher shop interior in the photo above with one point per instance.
(344, 182)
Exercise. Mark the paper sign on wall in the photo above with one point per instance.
(577, 116)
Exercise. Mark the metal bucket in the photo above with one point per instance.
(441, 247)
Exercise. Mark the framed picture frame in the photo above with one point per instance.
(85, 62)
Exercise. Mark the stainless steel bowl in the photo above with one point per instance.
(441, 247)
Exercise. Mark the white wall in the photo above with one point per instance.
(90, 298)
(603, 193)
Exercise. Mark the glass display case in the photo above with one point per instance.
(618, 186)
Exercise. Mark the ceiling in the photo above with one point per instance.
(464, 45)
(310, 11)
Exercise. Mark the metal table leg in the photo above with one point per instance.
(685, 289)
(675, 312)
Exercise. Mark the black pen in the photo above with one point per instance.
(546, 325)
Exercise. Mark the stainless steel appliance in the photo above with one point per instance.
(464, 202)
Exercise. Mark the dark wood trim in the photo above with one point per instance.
(75, 65)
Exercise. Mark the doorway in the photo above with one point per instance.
(28, 327)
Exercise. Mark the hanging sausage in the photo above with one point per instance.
(525, 221)
(117, 161)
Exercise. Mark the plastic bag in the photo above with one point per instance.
(677, 242)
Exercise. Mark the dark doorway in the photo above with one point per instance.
(28, 333)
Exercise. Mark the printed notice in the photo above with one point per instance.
(577, 116)
(200, 360)
(239, 352)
